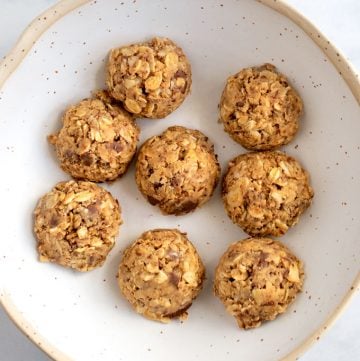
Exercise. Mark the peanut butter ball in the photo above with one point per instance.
(76, 224)
(260, 109)
(97, 141)
(265, 193)
(152, 79)
(257, 279)
(161, 274)
(177, 170)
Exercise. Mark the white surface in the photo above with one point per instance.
(340, 23)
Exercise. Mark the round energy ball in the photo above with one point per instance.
(152, 79)
(97, 141)
(257, 279)
(161, 274)
(76, 224)
(259, 108)
(177, 170)
(266, 192)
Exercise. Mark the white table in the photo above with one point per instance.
(340, 21)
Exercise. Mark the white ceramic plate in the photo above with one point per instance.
(82, 316)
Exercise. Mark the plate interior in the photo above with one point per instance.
(83, 315)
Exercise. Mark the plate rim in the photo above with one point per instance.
(50, 16)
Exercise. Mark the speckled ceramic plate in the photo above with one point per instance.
(60, 60)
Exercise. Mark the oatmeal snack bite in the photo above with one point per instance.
(97, 141)
(257, 279)
(76, 224)
(161, 274)
(265, 193)
(177, 170)
(152, 79)
(259, 108)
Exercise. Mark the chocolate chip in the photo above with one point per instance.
(157, 185)
(262, 260)
(270, 303)
(69, 154)
(187, 207)
(175, 181)
(118, 146)
(232, 116)
(54, 221)
(87, 159)
(180, 74)
(182, 154)
(153, 201)
(93, 210)
(174, 279)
